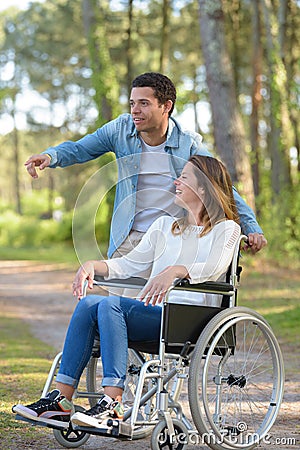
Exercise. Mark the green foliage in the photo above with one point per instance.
(281, 225)
(22, 231)
(37, 229)
(274, 292)
(60, 68)
(37, 203)
(91, 229)
(103, 71)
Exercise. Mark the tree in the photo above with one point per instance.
(104, 79)
(11, 88)
(53, 65)
(289, 32)
(165, 37)
(229, 132)
(279, 118)
(256, 97)
(129, 47)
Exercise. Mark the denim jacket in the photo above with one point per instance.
(120, 137)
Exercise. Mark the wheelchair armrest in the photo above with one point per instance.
(217, 287)
(212, 287)
(132, 282)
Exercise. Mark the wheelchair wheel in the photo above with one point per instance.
(236, 380)
(70, 438)
(93, 383)
(161, 439)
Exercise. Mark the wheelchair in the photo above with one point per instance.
(216, 376)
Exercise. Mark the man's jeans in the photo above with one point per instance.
(118, 319)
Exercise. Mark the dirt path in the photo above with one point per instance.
(41, 295)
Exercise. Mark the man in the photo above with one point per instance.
(151, 149)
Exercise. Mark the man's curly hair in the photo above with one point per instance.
(162, 86)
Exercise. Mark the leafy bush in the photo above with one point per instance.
(38, 203)
(36, 227)
(23, 231)
(281, 225)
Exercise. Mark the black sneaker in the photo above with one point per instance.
(54, 409)
(105, 408)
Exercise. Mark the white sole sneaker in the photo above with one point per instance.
(27, 413)
(84, 420)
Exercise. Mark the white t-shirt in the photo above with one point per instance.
(206, 258)
(155, 188)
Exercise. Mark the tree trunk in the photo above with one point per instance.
(129, 49)
(288, 32)
(195, 102)
(279, 131)
(228, 126)
(282, 22)
(104, 81)
(234, 9)
(164, 50)
(257, 54)
(17, 165)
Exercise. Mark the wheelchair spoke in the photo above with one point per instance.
(240, 382)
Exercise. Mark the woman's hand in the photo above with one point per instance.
(84, 274)
(156, 288)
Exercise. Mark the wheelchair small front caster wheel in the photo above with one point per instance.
(161, 438)
(70, 438)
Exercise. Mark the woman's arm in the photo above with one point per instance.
(156, 288)
(142, 256)
(226, 236)
(139, 259)
(86, 274)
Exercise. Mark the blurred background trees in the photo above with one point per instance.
(66, 68)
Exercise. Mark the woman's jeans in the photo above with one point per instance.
(119, 320)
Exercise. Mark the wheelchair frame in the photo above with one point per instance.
(229, 409)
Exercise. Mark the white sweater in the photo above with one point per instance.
(205, 258)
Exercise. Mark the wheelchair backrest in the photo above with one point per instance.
(183, 323)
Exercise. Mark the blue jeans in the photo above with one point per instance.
(119, 320)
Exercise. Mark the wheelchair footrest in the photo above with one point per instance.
(113, 428)
(64, 425)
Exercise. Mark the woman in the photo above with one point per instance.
(198, 246)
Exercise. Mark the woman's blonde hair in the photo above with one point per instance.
(218, 200)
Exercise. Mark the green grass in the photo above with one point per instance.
(274, 292)
(55, 253)
(24, 364)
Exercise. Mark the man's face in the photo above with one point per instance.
(148, 115)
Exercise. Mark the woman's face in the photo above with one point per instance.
(188, 193)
